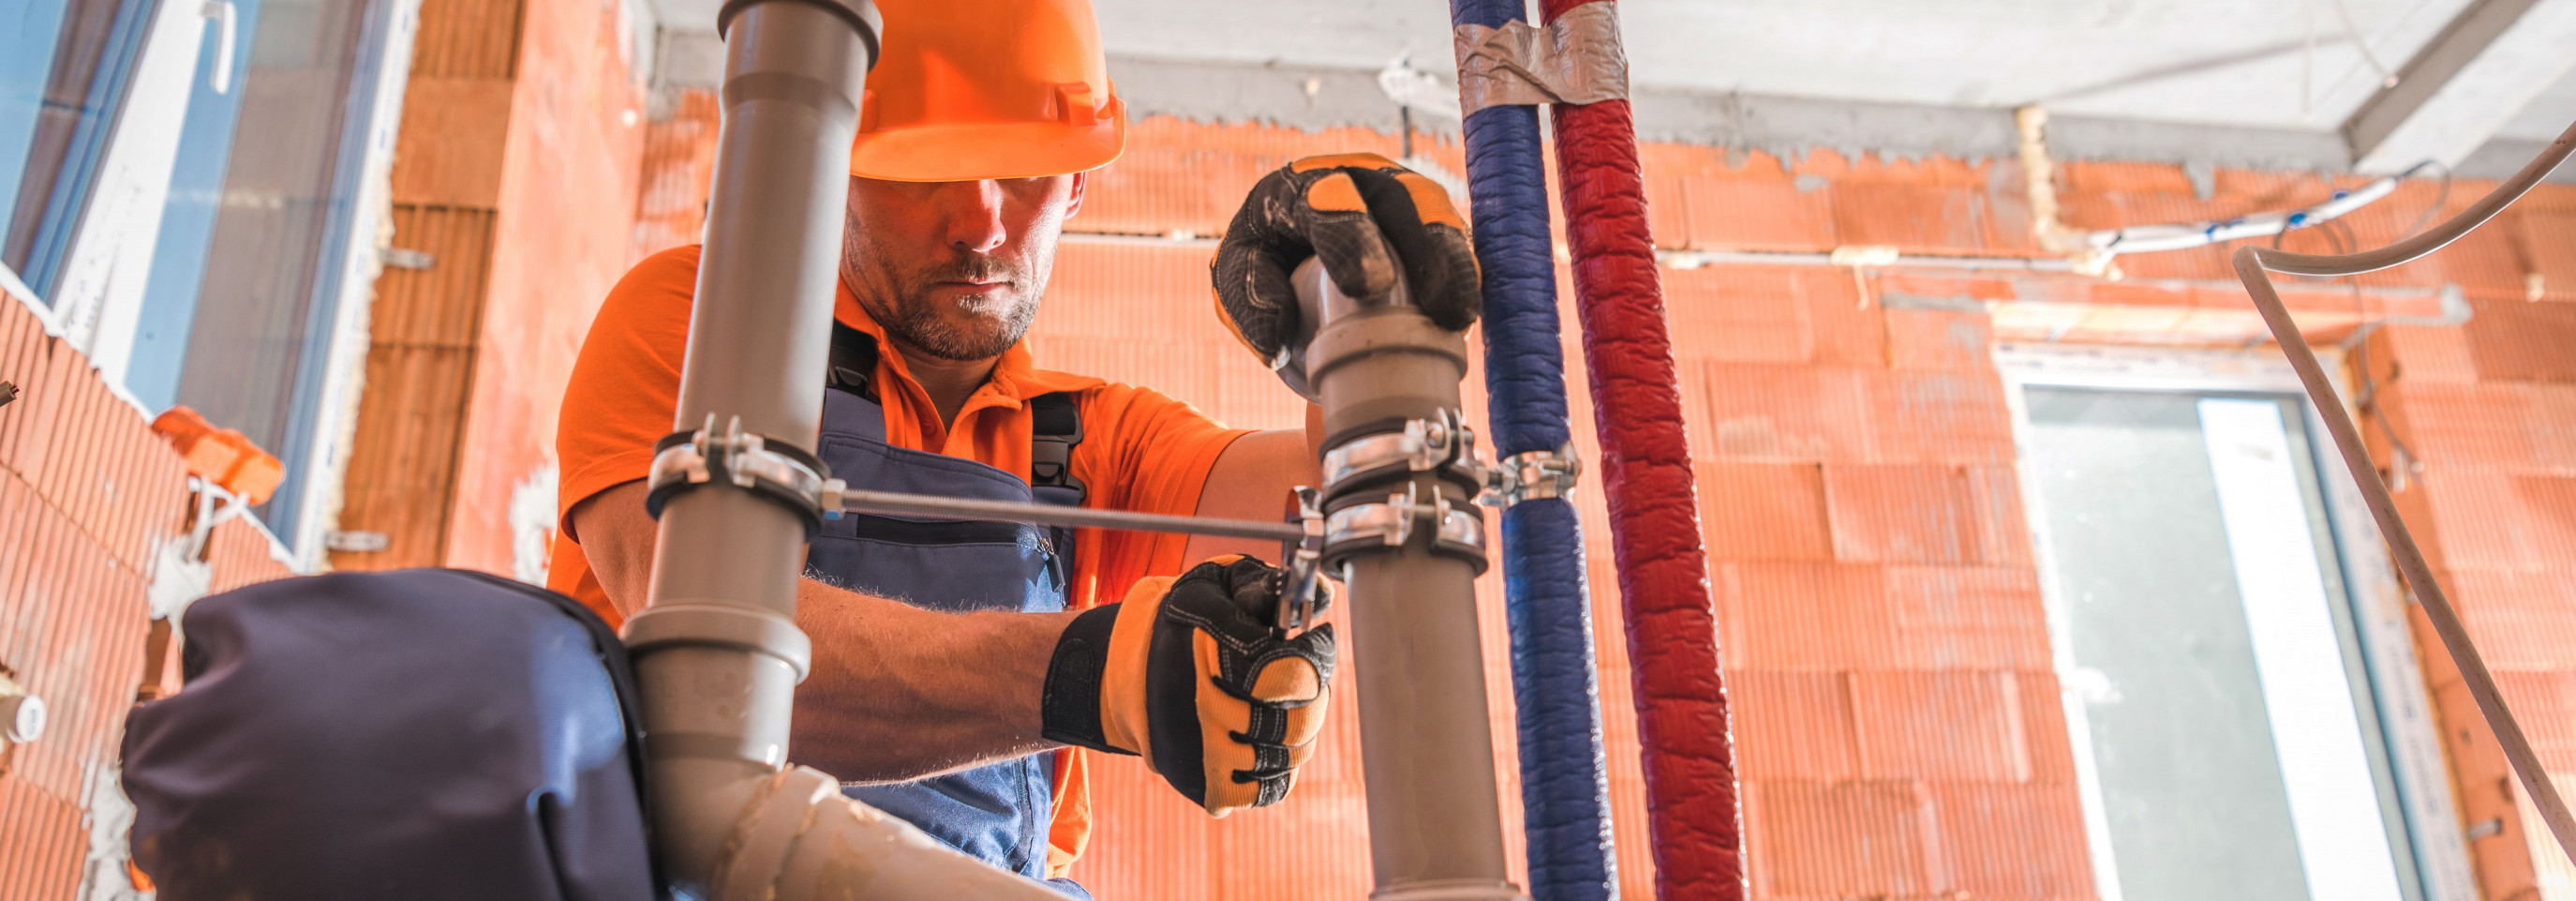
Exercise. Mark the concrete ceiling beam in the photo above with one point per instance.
(2491, 60)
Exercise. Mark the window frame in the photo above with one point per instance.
(351, 259)
(2408, 725)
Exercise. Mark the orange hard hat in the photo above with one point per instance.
(987, 89)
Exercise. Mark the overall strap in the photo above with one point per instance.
(1055, 426)
(854, 362)
(1055, 422)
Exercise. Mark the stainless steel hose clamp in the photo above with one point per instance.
(781, 472)
(1456, 530)
(1532, 475)
(1441, 444)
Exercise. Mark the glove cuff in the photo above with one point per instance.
(1070, 706)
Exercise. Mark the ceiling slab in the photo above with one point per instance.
(2258, 83)
(2276, 65)
(2464, 85)
(2547, 115)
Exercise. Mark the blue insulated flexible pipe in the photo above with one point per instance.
(1564, 789)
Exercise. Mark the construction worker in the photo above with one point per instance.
(953, 659)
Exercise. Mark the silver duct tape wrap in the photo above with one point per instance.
(1576, 59)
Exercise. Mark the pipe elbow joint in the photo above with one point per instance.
(790, 835)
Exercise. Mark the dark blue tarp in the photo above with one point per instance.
(415, 734)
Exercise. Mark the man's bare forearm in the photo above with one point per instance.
(896, 692)
(1251, 480)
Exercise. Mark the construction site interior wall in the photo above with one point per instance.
(1886, 636)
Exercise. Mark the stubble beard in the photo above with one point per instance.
(902, 305)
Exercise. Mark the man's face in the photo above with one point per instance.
(955, 269)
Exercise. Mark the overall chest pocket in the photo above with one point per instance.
(997, 812)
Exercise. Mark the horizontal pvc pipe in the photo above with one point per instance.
(2156, 238)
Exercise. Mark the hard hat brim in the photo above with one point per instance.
(976, 151)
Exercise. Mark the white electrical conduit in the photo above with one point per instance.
(2251, 264)
(2153, 238)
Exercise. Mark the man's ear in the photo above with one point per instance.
(1073, 205)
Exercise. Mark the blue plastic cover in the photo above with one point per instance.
(414, 734)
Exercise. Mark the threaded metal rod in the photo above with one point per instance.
(932, 506)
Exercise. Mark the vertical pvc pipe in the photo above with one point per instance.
(1564, 783)
(717, 651)
(1435, 820)
(1654, 517)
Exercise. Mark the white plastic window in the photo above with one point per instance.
(194, 192)
(2245, 714)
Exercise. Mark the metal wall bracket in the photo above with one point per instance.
(356, 541)
(778, 471)
(1532, 475)
(209, 505)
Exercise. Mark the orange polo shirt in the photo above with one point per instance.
(1140, 451)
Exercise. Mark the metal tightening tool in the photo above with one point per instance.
(1302, 595)
(690, 459)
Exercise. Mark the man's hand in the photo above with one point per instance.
(1346, 209)
(1188, 674)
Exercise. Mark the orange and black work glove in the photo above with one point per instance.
(1348, 210)
(1189, 674)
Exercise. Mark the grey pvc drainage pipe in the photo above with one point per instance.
(1435, 824)
(717, 651)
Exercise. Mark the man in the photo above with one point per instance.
(943, 663)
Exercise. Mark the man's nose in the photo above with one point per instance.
(975, 216)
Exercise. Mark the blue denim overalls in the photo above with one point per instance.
(998, 812)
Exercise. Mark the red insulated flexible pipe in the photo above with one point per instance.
(1675, 675)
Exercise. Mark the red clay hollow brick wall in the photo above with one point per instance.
(1898, 720)
(2488, 413)
(87, 497)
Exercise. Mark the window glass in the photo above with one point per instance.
(2209, 650)
(63, 69)
(188, 221)
(246, 276)
(248, 256)
(28, 32)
